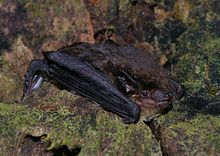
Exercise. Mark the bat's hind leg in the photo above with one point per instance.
(37, 71)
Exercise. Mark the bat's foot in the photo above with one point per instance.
(34, 77)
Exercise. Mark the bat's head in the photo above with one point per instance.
(153, 102)
(153, 97)
(156, 101)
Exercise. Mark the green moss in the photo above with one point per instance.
(15, 119)
(115, 137)
(198, 55)
(93, 130)
(196, 135)
(36, 10)
(123, 5)
(40, 9)
(197, 67)
(77, 5)
(94, 133)
(203, 125)
(9, 88)
(182, 10)
(107, 135)
(192, 135)
(212, 43)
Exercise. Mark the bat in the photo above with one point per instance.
(121, 78)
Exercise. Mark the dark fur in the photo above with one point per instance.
(113, 59)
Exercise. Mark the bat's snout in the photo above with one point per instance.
(152, 102)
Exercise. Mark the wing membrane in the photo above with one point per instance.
(82, 78)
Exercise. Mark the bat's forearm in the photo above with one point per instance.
(88, 82)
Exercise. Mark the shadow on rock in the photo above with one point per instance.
(33, 146)
(198, 104)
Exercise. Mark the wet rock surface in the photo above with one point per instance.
(56, 122)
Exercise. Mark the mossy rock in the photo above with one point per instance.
(190, 136)
(192, 127)
(94, 133)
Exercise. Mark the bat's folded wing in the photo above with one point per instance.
(85, 80)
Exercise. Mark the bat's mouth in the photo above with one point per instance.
(152, 102)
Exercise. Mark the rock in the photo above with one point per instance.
(19, 57)
(16, 61)
(95, 133)
(51, 121)
(191, 128)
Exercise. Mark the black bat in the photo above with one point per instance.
(120, 78)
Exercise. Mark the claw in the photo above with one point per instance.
(33, 78)
(34, 84)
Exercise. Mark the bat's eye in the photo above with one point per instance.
(144, 94)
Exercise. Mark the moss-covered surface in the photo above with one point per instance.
(192, 127)
(192, 136)
(8, 82)
(198, 61)
(186, 32)
(95, 133)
